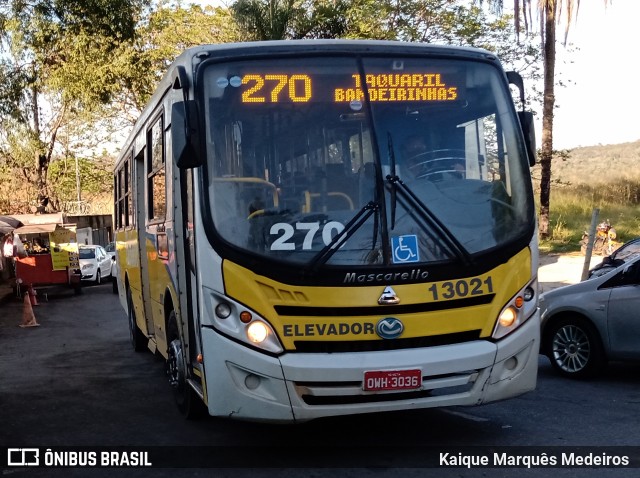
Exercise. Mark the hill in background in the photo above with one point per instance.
(596, 165)
(603, 177)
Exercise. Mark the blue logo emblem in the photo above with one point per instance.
(389, 328)
(405, 249)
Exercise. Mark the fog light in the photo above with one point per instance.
(257, 332)
(223, 310)
(511, 364)
(508, 317)
(528, 294)
(252, 381)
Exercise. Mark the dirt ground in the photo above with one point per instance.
(557, 270)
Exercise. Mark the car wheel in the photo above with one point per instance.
(188, 402)
(114, 285)
(98, 278)
(138, 339)
(574, 348)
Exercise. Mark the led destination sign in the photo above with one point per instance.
(301, 88)
(399, 87)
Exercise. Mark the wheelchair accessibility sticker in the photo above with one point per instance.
(405, 249)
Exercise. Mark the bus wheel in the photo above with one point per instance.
(187, 400)
(138, 339)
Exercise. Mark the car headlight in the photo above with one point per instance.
(517, 311)
(87, 267)
(240, 323)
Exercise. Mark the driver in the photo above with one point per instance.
(414, 157)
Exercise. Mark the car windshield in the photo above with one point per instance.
(627, 251)
(86, 253)
(302, 168)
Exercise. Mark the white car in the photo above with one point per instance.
(111, 249)
(587, 324)
(95, 263)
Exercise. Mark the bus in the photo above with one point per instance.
(289, 257)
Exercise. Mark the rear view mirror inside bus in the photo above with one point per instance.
(184, 142)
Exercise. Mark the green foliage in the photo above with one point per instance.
(165, 33)
(290, 19)
(602, 177)
(571, 217)
(56, 66)
(95, 177)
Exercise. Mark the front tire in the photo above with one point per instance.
(574, 348)
(98, 278)
(188, 402)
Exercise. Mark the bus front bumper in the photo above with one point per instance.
(245, 384)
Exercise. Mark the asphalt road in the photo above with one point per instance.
(74, 381)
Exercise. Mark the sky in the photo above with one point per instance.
(601, 102)
(602, 105)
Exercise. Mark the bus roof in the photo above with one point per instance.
(331, 45)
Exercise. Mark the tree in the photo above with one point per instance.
(165, 32)
(55, 64)
(74, 76)
(550, 15)
(290, 19)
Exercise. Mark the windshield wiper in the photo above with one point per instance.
(415, 204)
(349, 230)
(392, 162)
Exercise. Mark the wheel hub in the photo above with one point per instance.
(175, 365)
(571, 348)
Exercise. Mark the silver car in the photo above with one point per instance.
(587, 324)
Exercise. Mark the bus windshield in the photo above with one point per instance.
(364, 161)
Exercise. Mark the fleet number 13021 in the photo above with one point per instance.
(461, 288)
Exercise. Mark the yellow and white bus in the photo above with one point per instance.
(291, 259)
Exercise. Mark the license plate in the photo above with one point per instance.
(380, 380)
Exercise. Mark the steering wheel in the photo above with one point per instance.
(256, 213)
(439, 162)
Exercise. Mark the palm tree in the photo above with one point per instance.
(265, 19)
(290, 19)
(550, 14)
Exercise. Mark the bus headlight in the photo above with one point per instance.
(517, 311)
(508, 317)
(237, 322)
(257, 332)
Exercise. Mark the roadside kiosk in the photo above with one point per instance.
(46, 252)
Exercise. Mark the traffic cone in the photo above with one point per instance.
(28, 318)
(32, 295)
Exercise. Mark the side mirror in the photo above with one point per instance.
(529, 131)
(525, 117)
(184, 138)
